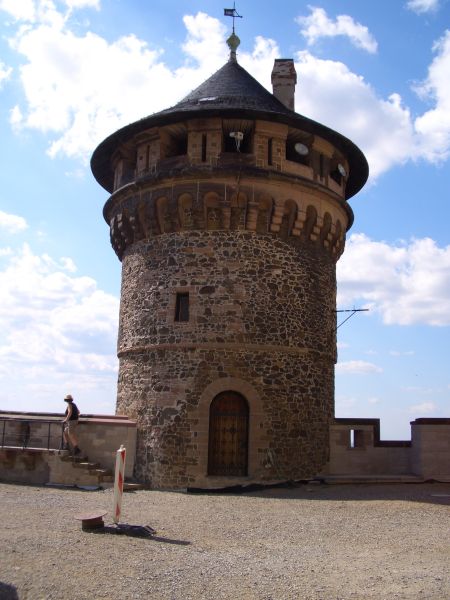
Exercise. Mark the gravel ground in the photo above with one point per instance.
(308, 542)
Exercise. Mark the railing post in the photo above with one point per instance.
(48, 437)
(3, 435)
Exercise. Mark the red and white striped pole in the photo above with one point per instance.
(118, 483)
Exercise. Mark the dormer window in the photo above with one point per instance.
(238, 136)
(174, 141)
(298, 149)
(338, 172)
(123, 173)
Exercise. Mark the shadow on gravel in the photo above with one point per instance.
(8, 592)
(430, 492)
(169, 541)
(140, 531)
(427, 493)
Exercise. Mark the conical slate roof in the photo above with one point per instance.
(231, 87)
(229, 93)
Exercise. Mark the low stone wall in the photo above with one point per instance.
(356, 450)
(25, 466)
(431, 448)
(99, 437)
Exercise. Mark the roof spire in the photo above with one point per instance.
(233, 41)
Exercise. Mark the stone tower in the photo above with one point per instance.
(228, 212)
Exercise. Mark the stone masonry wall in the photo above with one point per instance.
(262, 323)
(244, 288)
(288, 420)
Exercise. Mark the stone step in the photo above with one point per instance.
(80, 471)
(128, 486)
(131, 486)
(101, 472)
(66, 456)
(108, 480)
(91, 465)
(89, 473)
(86, 465)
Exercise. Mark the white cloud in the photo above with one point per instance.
(68, 264)
(12, 223)
(205, 41)
(79, 88)
(423, 6)
(21, 11)
(15, 117)
(373, 400)
(407, 283)
(34, 11)
(424, 391)
(424, 409)
(260, 61)
(382, 128)
(5, 72)
(55, 329)
(357, 367)
(401, 353)
(433, 127)
(318, 25)
(342, 345)
(75, 4)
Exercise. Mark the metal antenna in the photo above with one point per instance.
(353, 311)
(232, 12)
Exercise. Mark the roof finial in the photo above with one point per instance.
(233, 41)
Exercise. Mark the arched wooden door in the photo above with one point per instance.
(228, 435)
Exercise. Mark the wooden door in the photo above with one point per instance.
(228, 435)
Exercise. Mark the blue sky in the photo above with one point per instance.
(73, 71)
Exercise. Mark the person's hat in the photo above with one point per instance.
(68, 398)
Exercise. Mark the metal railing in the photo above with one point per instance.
(31, 433)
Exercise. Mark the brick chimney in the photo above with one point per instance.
(284, 78)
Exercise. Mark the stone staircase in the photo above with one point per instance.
(79, 471)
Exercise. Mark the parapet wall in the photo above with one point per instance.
(30, 443)
(431, 448)
(356, 450)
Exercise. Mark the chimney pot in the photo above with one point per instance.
(284, 78)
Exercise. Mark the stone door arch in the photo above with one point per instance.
(228, 435)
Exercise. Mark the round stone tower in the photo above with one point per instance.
(228, 212)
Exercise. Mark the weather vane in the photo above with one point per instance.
(232, 12)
